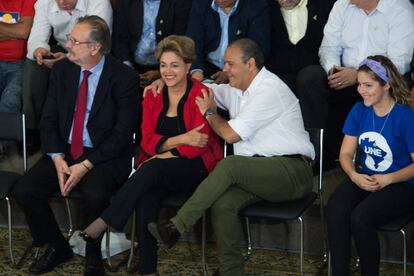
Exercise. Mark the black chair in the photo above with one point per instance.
(291, 210)
(12, 127)
(396, 225)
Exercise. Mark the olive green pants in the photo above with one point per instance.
(236, 182)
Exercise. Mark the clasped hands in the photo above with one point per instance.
(69, 177)
(371, 183)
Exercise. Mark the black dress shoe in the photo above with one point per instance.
(93, 265)
(50, 259)
(165, 232)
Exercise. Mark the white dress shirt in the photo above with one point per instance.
(351, 33)
(296, 21)
(266, 116)
(49, 17)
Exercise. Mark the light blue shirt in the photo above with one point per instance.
(217, 57)
(350, 35)
(145, 52)
(93, 81)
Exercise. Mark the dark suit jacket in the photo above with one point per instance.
(286, 58)
(250, 20)
(112, 119)
(128, 21)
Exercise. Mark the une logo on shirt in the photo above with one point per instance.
(9, 17)
(378, 154)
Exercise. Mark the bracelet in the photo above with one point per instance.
(85, 166)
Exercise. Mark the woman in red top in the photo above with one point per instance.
(178, 151)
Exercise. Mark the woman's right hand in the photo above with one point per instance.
(365, 182)
(196, 138)
(156, 87)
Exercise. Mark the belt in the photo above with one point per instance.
(295, 156)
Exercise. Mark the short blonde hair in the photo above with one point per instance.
(182, 46)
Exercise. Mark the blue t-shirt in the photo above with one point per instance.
(384, 143)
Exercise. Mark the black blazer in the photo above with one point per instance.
(128, 21)
(286, 58)
(250, 20)
(112, 119)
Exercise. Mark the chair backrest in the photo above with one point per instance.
(13, 127)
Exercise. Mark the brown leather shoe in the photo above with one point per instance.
(165, 232)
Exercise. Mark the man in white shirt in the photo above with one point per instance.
(271, 150)
(355, 29)
(55, 17)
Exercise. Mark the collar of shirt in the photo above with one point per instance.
(296, 21)
(95, 71)
(256, 81)
(80, 6)
(302, 4)
(381, 7)
(217, 9)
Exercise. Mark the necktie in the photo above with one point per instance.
(76, 147)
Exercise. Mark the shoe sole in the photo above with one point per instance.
(152, 228)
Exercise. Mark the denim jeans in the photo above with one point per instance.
(11, 86)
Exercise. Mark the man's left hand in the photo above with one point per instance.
(207, 101)
(77, 171)
(220, 77)
(342, 78)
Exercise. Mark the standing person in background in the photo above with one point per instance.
(380, 184)
(53, 20)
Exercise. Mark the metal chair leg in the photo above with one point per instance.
(203, 246)
(69, 214)
(9, 220)
(329, 264)
(107, 248)
(301, 245)
(404, 251)
(249, 239)
(131, 252)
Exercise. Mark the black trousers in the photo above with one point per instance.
(143, 192)
(352, 211)
(40, 183)
(323, 107)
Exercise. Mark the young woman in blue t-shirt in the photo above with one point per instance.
(377, 154)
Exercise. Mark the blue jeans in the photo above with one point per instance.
(11, 86)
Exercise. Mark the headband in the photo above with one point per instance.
(377, 68)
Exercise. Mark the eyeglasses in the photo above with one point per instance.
(75, 42)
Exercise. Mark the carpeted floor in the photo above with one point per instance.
(184, 260)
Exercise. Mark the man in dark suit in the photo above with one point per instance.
(295, 41)
(86, 131)
(214, 24)
(139, 25)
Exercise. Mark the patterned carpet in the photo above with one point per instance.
(183, 260)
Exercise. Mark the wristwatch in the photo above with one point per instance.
(210, 111)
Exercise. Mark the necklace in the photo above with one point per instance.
(386, 118)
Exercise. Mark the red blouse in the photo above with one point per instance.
(190, 116)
